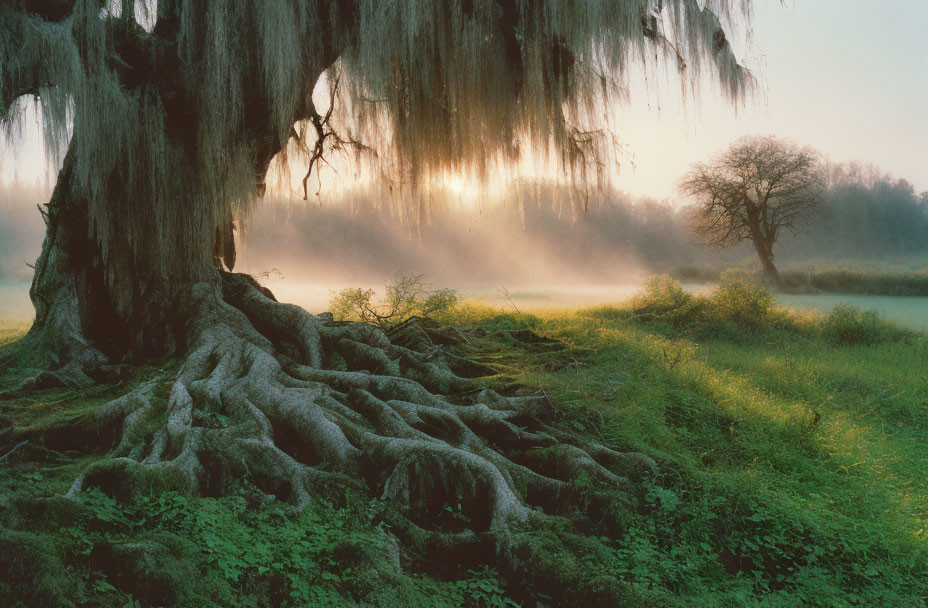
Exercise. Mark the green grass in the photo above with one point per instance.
(13, 328)
(796, 459)
(791, 463)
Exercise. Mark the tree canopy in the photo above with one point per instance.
(175, 123)
(752, 191)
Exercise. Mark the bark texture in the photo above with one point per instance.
(79, 334)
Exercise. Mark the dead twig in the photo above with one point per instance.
(324, 131)
(16, 447)
(505, 292)
(267, 273)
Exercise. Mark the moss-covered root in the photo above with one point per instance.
(31, 567)
(557, 565)
(257, 397)
(157, 569)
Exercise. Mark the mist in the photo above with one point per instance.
(21, 232)
(542, 247)
(537, 244)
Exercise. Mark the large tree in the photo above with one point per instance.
(753, 191)
(175, 115)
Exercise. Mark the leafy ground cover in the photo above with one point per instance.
(790, 449)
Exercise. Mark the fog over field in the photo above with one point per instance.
(526, 244)
(536, 245)
(538, 240)
(21, 234)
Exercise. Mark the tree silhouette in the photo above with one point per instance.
(753, 191)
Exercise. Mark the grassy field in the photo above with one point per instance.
(792, 462)
(791, 452)
(12, 328)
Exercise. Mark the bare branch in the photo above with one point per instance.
(753, 190)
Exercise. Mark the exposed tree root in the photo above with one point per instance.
(299, 405)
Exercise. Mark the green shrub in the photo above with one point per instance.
(847, 324)
(664, 301)
(738, 304)
(405, 297)
(739, 299)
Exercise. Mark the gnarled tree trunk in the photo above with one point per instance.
(294, 402)
(300, 404)
(763, 243)
(78, 328)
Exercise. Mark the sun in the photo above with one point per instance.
(458, 185)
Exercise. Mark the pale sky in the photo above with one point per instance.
(848, 77)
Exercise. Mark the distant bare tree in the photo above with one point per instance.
(753, 190)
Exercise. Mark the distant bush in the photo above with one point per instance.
(857, 281)
(405, 297)
(738, 304)
(739, 299)
(664, 301)
(871, 283)
(847, 324)
(827, 277)
(741, 307)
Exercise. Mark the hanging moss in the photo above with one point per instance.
(476, 85)
(479, 86)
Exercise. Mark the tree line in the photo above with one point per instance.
(864, 215)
